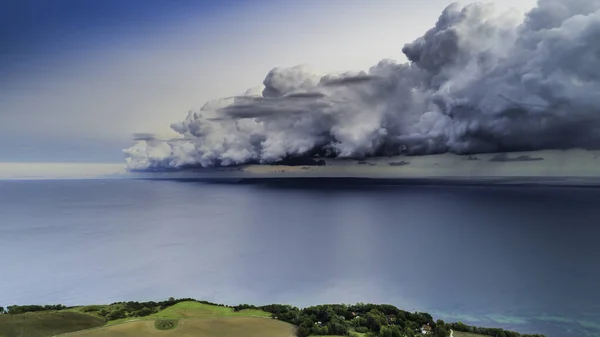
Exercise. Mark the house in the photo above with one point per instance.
(426, 329)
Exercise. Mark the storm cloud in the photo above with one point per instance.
(478, 81)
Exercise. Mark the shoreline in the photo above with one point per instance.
(326, 319)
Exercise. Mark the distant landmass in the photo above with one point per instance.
(548, 167)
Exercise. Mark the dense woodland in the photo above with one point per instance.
(332, 319)
(376, 320)
(20, 309)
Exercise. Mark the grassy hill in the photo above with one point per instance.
(188, 318)
(42, 324)
(189, 309)
(229, 326)
(193, 319)
(201, 310)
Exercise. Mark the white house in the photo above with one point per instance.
(426, 329)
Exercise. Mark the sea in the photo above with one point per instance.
(520, 258)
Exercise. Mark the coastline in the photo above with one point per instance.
(191, 317)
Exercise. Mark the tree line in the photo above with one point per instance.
(20, 309)
(340, 319)
(381, 320)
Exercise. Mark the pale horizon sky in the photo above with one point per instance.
(78, 78)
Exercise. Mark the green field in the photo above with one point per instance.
(195, 310)
(41, 324)
(200, 310)
(166, 324)
(188, 318)
(230, 326)
(187, 309)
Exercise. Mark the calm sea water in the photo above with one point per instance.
(520, 258)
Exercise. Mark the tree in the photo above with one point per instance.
(390, 331)
(441, 330)
(303, 331)
(337, 327)
(104, 313)
(359, 322)
(145, 312)
(375, 320)
(407, 332)
(1, 310)
(321, 331)
(118, 314)
(329, 314)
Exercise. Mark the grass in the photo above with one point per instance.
(228, 326)
(186, 309)
(190, 319)
(166, 324)
(42, 324)
(190, 309)
(201, 310)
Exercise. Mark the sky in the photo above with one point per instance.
(78, 78)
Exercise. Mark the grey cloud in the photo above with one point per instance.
(281, 81)
(346, 80)
(478, 81)
(143, 136)
(301, 95)
(255, 107)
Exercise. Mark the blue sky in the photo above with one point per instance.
(79, 77)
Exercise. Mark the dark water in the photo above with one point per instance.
(519, 258)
